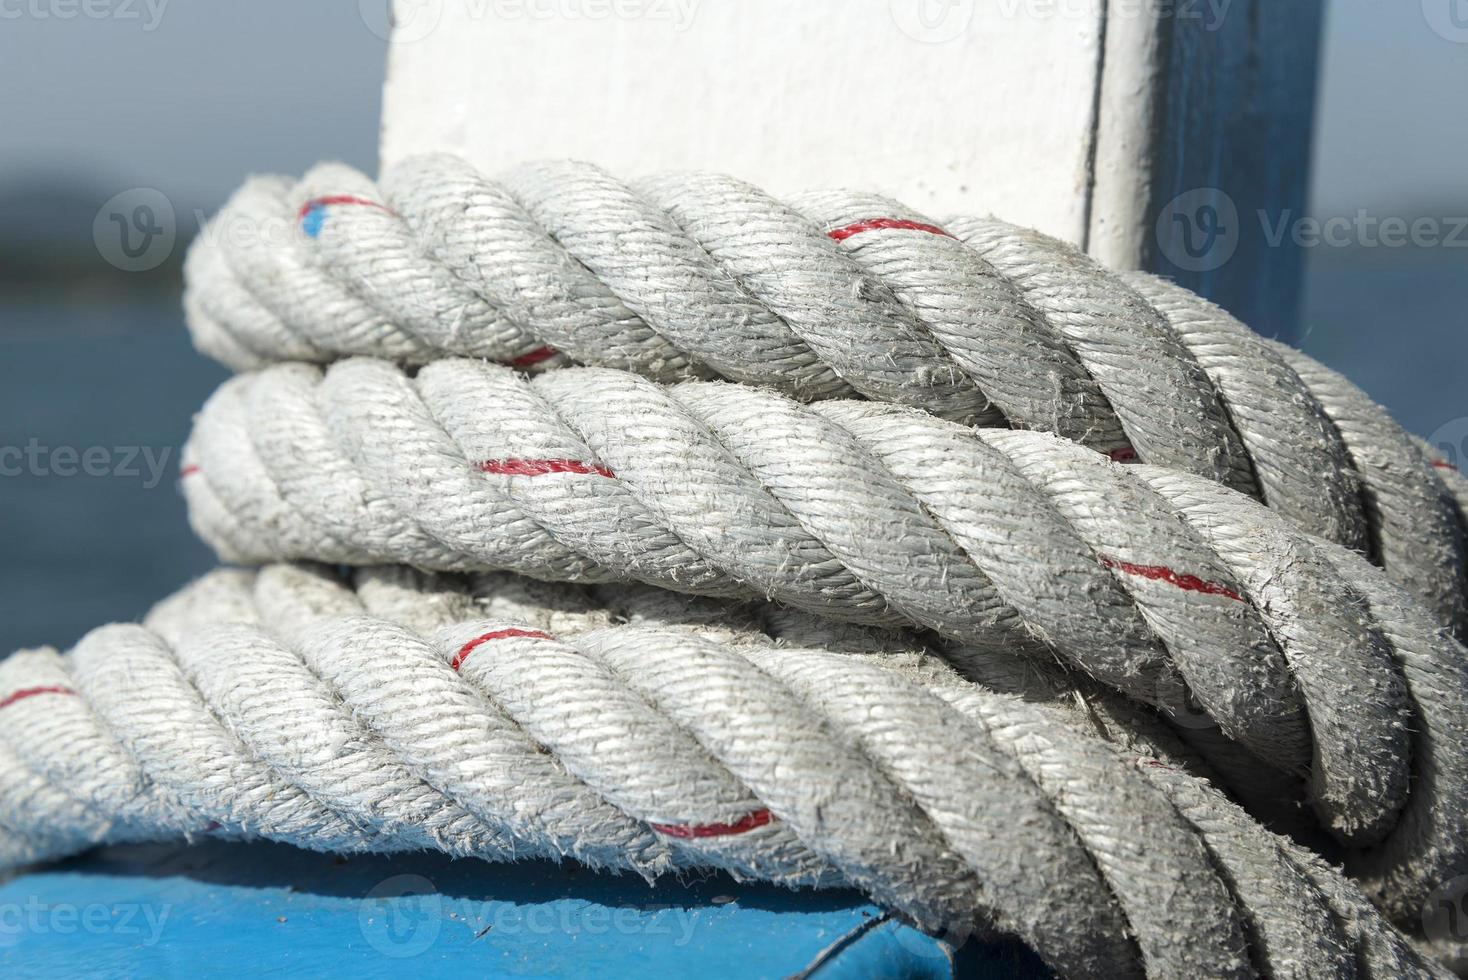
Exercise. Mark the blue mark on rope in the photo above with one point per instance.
(313, 219)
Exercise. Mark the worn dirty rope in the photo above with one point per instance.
(1166, 586)
(501, 718)
(830, 295)
(1008, 666)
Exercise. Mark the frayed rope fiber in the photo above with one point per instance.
(671, 526)
(634, 729)
(1170, 588)
(828, 295)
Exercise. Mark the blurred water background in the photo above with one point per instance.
(91, 357)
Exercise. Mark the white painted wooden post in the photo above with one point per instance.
(1085, 118)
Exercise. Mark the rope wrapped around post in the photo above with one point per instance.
(1169, 588)
(652, 733)
(678, 526)
(829, 295)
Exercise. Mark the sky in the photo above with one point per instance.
(1391, 128)
(275, 85)
(191, 101)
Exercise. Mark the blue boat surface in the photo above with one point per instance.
(262, 909)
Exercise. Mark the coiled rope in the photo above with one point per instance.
(401, 712)
(830, 295)
(1163, 585)
(917, 440)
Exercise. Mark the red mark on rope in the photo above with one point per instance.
(30, 692)
(1161, 573)
(317, 203)
(313, 213)
(684, 831)
(504, 634)
(1143, 760)
(1443, 464)
(880, 224)
(534, 357)
(540, 467)
(1125, 454)
(189, 470)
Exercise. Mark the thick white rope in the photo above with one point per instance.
(401, 712)
(1163, 585)
(829, 295)
(338, 719)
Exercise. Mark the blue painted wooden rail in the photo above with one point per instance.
(266, 909)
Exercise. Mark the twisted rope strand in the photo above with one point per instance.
(1299, 917)
(1284, 920)
(831, 295)
(835, 811)
(1158, 606)
(1164, 586)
